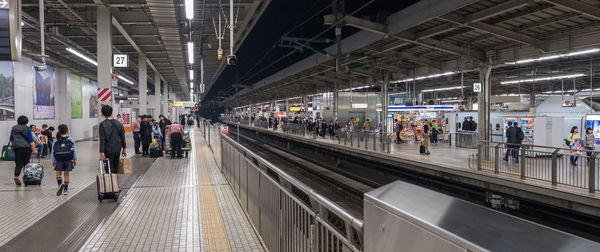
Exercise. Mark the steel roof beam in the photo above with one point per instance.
(495, 30)
(577, 6)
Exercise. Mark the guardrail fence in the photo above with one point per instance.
(287, 214)
(577, 168)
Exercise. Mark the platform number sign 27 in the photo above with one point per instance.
(120, 60)
(477, 87)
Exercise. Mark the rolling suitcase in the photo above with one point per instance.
(107, 184)
(33, 173)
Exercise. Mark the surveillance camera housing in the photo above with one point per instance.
(231, 60)
(40, 68)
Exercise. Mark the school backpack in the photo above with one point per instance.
(63, 150)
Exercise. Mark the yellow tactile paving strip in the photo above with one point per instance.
(215, 235)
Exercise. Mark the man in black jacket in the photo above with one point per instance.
(112, 139)
(514, 138)
(145, 135)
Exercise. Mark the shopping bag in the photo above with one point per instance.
(125, 166)
(8, 153)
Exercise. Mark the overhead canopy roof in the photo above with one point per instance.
(432, 37)
(157, 28)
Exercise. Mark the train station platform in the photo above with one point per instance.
(166, 205)
(460, 164)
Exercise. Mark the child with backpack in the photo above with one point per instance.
(64, 158)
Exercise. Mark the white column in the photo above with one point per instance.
(104, 50)
(156, 95)
(164, 101)
(142, 84)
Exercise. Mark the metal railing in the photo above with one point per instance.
(352, 137)
(466, 139)
(577, 168)
(289, 215)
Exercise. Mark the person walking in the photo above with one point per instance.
(426, 137)
(112, 139)
(146, 135)
(589, 142)
(367, 125)
(23, 145)
(514, 138)
(398, 130)
(64, 158)
(574, 143)
(176, 135)
(135, 128)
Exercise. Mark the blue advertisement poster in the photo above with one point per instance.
(43, 95)
(593, 122)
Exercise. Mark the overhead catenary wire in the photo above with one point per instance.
(312, 39)
(296, 26)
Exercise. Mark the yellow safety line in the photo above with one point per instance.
(213, 229)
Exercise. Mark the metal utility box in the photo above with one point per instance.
(405, 217)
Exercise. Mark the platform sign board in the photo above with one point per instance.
(295, 109)
(477, 87)
(76, 96)
(93, 99)
(114, 80)
(10, 30)
(120, 60)
(43, 95)
(177, 103)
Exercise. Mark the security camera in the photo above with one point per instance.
(40, 68)
(231, 60)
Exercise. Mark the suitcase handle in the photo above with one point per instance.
(102, 166)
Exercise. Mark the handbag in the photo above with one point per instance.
(567, 142)
(8, 153)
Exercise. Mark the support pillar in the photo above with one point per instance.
(142, 84)
(305, 104)
(384, 104)
(287, 106)
(335, 102)
(104, 51)
(484, 103)
(164, 100)
(156, 95)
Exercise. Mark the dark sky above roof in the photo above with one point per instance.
(260, 56)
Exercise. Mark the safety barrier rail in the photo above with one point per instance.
(289, 215)
(353, 137)
(577, 168)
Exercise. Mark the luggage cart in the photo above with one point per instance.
(186, 145)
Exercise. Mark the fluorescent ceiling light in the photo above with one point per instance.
(192, 85)
(192, 90)
(551, 57)
(191, 74)
(425, 77)
(189, 9)
(190, 49)
(441, 89)
(124, 79)
(450, 101)
(80, 55)
(570, 76)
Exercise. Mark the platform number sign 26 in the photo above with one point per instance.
(477, 87)
(120, 60)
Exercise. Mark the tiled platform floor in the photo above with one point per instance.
(21, 207)
(178, 205)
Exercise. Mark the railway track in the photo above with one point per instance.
(351, 176)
